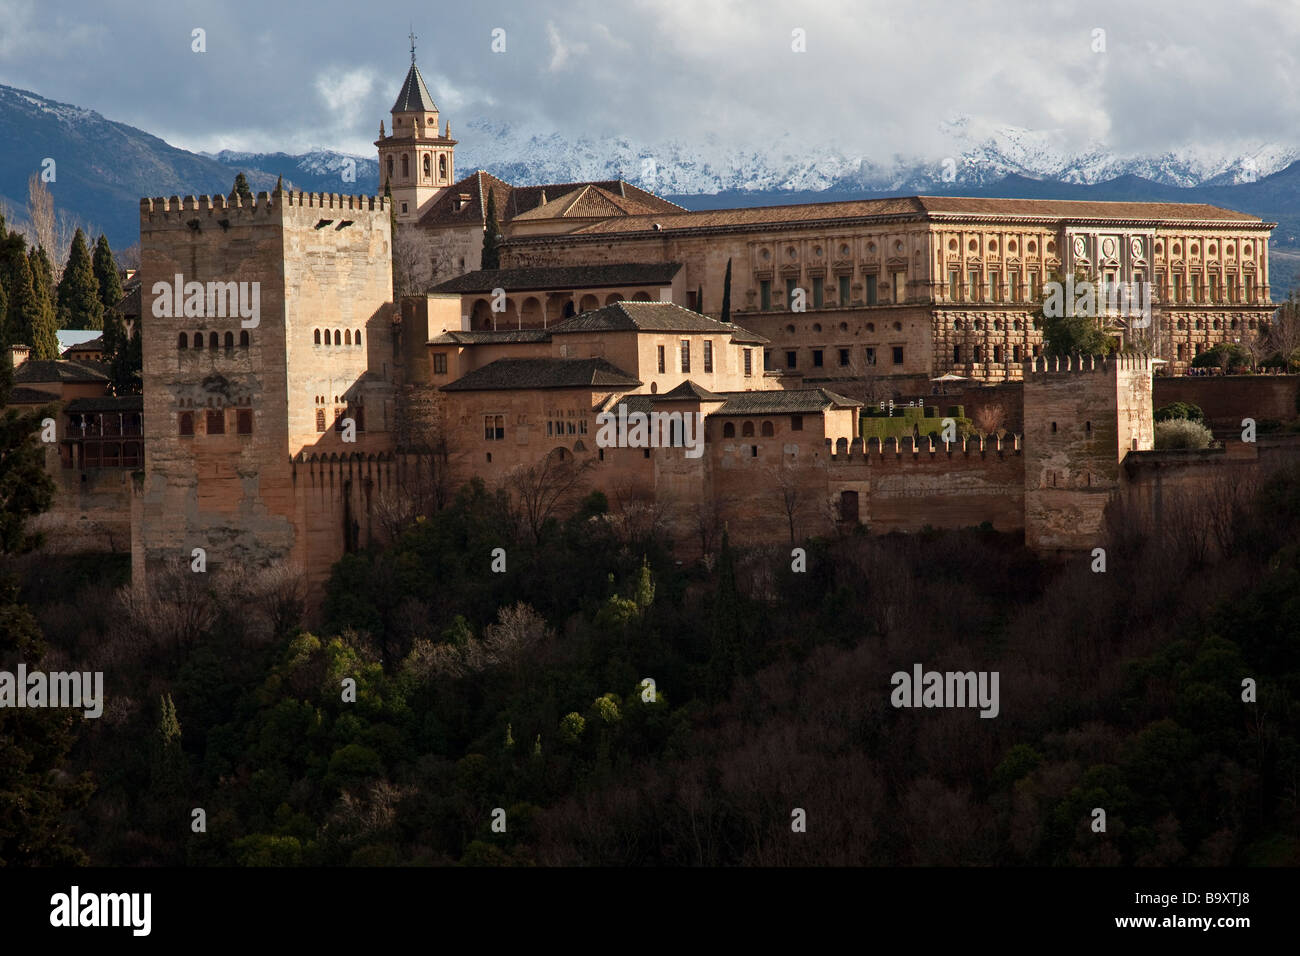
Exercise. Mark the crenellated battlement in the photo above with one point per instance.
(921, 451)
(1125, 361)
(161, 211)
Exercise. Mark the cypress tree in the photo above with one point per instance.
(79, 304)
(726, 294)
(30, 322)
(127, 361)
(491, 230)
(242, 189)
(105, 268)
(41, 328)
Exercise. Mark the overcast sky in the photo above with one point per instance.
(876, 77)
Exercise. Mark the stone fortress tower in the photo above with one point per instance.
(267, 324)
(1082, 415)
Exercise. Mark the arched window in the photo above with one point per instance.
(729, 430)
(442, 166)
(768, 430)
(390, 167)
(356, 337)
(198, 340)
(183, 342)
(213, 341)
(338, 337)
(747, 430)
(406, 166)
(187, 423)
(426, 166)
(316, 337)
(230, 340)
(347, 336)
(243, 339)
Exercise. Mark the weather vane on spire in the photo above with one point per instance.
(413, 39)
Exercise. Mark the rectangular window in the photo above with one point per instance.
(708, 355)
(954, 284)
(1232, 289)
(977, 354)
(765, 295)
(956, 354)
(819, 291)
(187, 423)
(871, 355)
(244, 421)
(1013, 280)
(997, 353)
(994, 288)
(1015, 353)
(817, 358)
(1214, 288)
(749, 362)
(973, 287)
(1196, 288)
(1250, 288)
(217, 421)
(1178, 287)
(844, 290)
(790, 286)
(1033, 286)
(872, 292)
(320, 419)
(898, 355)
(767, 360)
(439, 363)
(662, 367)
(358, 415)
(796, 423)
(900, 286)
(844, 357)
(686, 355)
(338, 418)
(494, 427)
(791, 359)
(690, 301)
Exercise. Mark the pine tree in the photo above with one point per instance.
(105, 268)
(491, 235)
(726, 294)
(242, 189)
(79, 303)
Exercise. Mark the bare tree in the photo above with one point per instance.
(40, 217)
(989, 419)
(792, 494)
(546, 489)
(1284, 332)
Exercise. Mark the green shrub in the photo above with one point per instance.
(1175, 410)
(1181, 433)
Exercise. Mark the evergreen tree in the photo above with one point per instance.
(39, 330)
(726, 294)
(491, 235)
(28, 322)
(167, 761)
(79, 303)
(242, 189)
(105, 268)
(127, 362)
(1066, 331)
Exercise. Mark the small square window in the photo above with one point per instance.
(244, 421)
(898, 355)
(817, 358)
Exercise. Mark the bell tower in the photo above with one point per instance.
(416, 162)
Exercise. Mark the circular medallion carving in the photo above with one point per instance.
(1080, 246)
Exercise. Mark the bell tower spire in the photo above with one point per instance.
(416, 162)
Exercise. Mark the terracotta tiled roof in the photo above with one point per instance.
(689, 391)
(512, 201)
(529, 373)
(585, 202)
(790, 401)
(562, 277)
(60, 370)
(22, 395)
(487, 337)
(920, 207)
(92, 345)
(650, 317)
